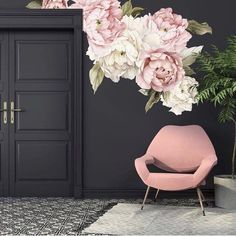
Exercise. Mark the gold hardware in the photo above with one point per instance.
(4, 110)
(12, 112)
(17, 110)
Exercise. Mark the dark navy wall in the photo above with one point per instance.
(116, 128)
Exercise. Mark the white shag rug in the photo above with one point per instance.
(128, 219)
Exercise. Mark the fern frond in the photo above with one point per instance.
(222, 95)
(218, 84)
(228, 111)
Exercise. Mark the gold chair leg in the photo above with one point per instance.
(203, 197)
(200, 200)
(156, 195)
(145, 197)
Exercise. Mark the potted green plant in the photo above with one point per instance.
(218, 86)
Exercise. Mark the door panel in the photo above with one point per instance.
(36, 160)
(50, 60)
(50, 107)
(41, 138)
(4, 187)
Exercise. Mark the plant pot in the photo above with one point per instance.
(225, 191)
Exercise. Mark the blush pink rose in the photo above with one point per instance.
(172, 28)
(102, 22)
(54, 4)
(160, 71)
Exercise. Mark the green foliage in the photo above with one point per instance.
(96, 76)
(154, 98)
(218, 84)
(35, 4)
(129, 10)
(189, 71)
(199, 28)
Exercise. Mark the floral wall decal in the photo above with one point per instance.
(58, 4)
(150, 50)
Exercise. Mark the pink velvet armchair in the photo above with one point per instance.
(185, 152)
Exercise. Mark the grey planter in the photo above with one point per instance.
(225, 191)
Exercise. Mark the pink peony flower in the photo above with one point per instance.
(160, 71)
(54, 4)
(172, 29)
(102, 22)
(89, 5)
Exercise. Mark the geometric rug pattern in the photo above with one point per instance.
(51, 216)
(61, 216)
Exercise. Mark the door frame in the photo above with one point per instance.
(59, 19)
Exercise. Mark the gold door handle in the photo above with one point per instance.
(17, 110)
(4, 110)
(13, 110)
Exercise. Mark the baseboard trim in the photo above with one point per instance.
(139, 193)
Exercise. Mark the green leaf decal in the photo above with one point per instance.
(36, 4)
(136, 11)
(145, 92)
(189, 71)
(199, 28)
(96, 76)
(189, 60)
(127, 8)
(154, 98)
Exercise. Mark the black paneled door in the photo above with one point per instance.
(4, 128)
(36, 96)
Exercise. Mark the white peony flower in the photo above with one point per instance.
(146, 29)
(181, 97)
(130, 34)
(121, 61)
(121, 57)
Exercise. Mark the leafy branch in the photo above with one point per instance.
(218, 84)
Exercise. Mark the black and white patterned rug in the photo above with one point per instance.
(60, 216)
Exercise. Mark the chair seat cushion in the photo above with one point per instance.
(171, 181)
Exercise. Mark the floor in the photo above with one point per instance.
(61, 216)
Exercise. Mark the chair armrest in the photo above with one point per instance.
(203, 170)
(141, 166)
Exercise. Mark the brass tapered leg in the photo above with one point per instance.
(203, 198)
(145, 197)
(156, 195)
(200, 200)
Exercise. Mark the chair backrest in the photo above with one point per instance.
(180, 148)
